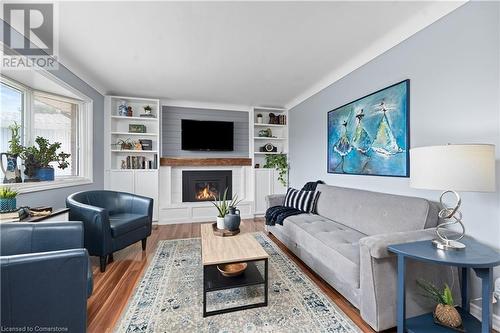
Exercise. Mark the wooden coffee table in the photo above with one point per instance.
(217, 250)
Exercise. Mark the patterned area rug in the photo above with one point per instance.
(169, 297)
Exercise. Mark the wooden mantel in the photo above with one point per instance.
(188, 161)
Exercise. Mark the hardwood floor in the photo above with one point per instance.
(113, 288)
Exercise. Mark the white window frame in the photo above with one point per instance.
(85, 134)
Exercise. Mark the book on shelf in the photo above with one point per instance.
(139, 162)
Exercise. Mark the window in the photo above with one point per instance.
(54, 117)
(12, 103)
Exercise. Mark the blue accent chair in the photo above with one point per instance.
(112, 220)
(46, 275)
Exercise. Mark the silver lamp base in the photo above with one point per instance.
(453, 216)
(448, 245)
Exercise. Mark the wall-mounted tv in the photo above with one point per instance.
(207, 135)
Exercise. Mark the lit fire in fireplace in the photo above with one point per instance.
(206, 193)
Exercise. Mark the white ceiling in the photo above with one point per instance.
(244, 53)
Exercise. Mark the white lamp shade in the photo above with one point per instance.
(468, 167)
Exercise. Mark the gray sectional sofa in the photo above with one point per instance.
(346, 244)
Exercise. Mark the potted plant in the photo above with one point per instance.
(42, 156)
(125, 144)
(11, 171)
(148, 109)
(445, 313)
(222, 207)
(259, 118)
(280, 163)
(7, 199)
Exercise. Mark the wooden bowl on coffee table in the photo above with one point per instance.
(233, 269)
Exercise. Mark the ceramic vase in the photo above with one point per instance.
(11, 171)
(232, 219)
(45, 174)
(220, 223)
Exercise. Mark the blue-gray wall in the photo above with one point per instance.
(171, 130)
(56, 198)
(454, 70)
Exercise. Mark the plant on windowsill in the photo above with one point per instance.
(7, 199)
(445, 312)
(280, 163)
(38, 159)
(11, 171)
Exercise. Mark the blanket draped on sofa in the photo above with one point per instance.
(277, 214)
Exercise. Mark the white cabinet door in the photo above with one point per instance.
(146, 184)
(121, 181)
(263, 187)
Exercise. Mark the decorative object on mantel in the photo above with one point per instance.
(7, 199)
(445, 313)
(280, 163)
(269, 148)
(265, 133)
(465, 167)
(11, 171)
(122, 109)
(370, 136)
(137, 128)
(224, 232)
(233, 269)
(40, 157)
(259, 118)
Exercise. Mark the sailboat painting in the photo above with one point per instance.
(370, 136)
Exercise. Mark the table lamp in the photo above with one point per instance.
(452, 169)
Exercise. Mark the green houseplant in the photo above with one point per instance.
(7, 199)
(11, 171)
(280, 163)
(38, 158)
(445, 311)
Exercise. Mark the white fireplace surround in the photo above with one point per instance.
(173, 210)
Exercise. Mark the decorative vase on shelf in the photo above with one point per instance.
(220, 223)
(232, 219)
(259, 119)
(122, 109)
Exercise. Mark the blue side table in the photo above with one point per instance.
(477, 256)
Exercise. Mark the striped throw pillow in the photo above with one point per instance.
(300, 200)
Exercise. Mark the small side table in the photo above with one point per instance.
(476, 256)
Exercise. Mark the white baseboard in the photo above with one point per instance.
(476, 312)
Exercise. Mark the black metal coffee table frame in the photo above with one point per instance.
(213, 280)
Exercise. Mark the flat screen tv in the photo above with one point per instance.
(207, 135)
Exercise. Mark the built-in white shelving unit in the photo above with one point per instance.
(266, 180)
(132, 170)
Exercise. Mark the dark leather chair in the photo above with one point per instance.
(112, 220)
(46, 276)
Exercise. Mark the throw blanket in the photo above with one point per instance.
(277, 214)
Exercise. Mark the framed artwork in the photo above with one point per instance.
(370, 136)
